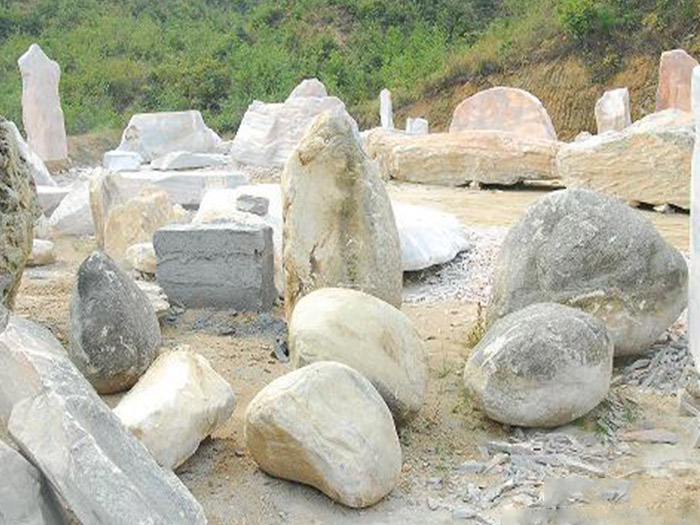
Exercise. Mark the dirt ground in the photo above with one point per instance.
(663, 480)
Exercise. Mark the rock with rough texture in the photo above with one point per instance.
(589, 251)
(114, 334)
(37, 168)
(417, 126)
(504, 109)
(269, 132)
(73, 216)
(50, 197)
(185, 160)
(675, 72)
(326, 426)
(612, 111)
(153, 135)
(253, 204)
(543, 366)
(694, 297)
(106, 191)
(43, 253)
(142, 257)
(647, 162)
(456, 159)
(25, 499)
(41, 105)
(367, 334)
(101, 472)
(19, 210)
(42, 230)
(156, 296)
(386, 110)
(310, 87)
(339, 228)
(176, 404)
(116, 161)
(135, 221)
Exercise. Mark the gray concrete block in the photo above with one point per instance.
(224, 266)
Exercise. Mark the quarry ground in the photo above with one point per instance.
(660, 483)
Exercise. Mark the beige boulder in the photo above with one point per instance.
(504, 109)
(648, 162)
(339, 228)
(675, 74)
(455, 159)
(326, 426)
(367, 334)
(142, 257)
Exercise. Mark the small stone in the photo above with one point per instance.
(656, 435)
(42, 253)
(253, 204)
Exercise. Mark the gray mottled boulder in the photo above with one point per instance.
(325, 425)
(114, 330)
(19, 209)
(102, 473)
(24, 497)
(589, 251)
(542, 366)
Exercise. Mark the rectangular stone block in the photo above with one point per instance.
(225, 266)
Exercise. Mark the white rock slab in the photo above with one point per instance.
(612, 111)
(24, 497)
(50, 197)
(37, 167)
(417, 126)
(43, 253)
(386, 109)
(99, 469)
(73, 216)
(41, 105)
(177, 403)
(694, 281)
(269, 132)
(153, 135)
(310, 87)
(184, 160)
(117, 161)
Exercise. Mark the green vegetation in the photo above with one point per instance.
(218, 55)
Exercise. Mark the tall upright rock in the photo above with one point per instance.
(694, 285)
(41, 105)
(339, 228)
(612, 111)
(386, 109)
(19, 209)
(675, 72)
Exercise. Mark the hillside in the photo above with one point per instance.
(217, 56)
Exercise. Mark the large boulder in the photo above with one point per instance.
(269, 132)
(41, 105)
(543, 366)
(176, 404)
(310, 87)
(19, 210)
(675, 72)
(72, 216)
(96, 467)
(326, 426)
(456, 159)
(339, 228)
(367, 334)
(25, 499)
(114, 334)
(589, 251)
(504, 109)
(612, 111)
(153, 135)
(647, 162)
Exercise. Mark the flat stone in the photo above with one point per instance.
(223, 266)
(654, 436)
(185, 160)
(674, 88)
(117, 161)
(417, 126)
(101, 472)
(253, 204)
(50, 197)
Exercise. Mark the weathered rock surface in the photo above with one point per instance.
(367, 334)
(269, 132)
(612, 111)
(19, 209)
(185, 160)
(142, 257)
(543, 366)
(417, 126)
(96, 466)
(107, 190)
(504, 109)
(116, 161)
(73, 216)
(50, 197)
(386, 110)
(456, 159)
(326, 426)
(114, 334)
(339, 228)
(253, 204)
(694, 296)
(310, 87)
(647, 162)
(42, 253)
(153, 135)
(41, 105)
(36, 166)
(675, 72)
(589, 251)
(178, 402)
